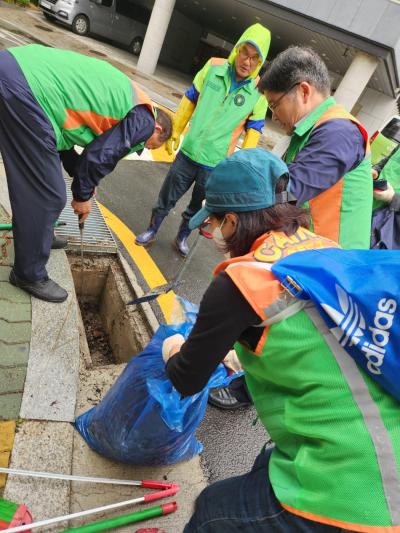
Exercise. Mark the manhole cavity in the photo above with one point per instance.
(114, 331)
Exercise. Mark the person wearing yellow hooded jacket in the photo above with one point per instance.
(222, 103)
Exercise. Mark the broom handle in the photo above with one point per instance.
(57, 519)
(118, 521)
(51, 475)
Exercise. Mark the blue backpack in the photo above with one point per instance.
(356, 297)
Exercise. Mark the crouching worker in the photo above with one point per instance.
(51, 100)
(326, 472)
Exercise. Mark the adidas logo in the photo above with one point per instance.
(351, 327)
(351, 323)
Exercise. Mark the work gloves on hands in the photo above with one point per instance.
(180, 120)
(386, 195)
(251, 138)
(171, 346)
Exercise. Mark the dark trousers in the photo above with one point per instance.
(248, 504)
(181, 175)
(32, 164)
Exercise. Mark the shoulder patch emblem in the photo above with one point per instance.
(239, 100)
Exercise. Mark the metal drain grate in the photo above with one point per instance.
(97, 236)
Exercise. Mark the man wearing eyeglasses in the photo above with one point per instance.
(328, 155)
(328, 160)
(222, 102)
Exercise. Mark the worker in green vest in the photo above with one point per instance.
(221, 104)
(50, 101)
(328, 159)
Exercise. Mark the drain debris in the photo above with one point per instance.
(97, 338)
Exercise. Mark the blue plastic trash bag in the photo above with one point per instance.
(142, 419)
(357, 293)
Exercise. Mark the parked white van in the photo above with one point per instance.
(122, 21)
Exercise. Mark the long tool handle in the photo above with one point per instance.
(9, 226)
(81, 227)
(118, 521)
(187, 260)
(58, 519)
(162, 289)
(67, 477)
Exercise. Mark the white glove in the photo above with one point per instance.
(231, 361)
(385, 196)
(171, 342)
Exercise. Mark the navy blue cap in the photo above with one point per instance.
(245, 181)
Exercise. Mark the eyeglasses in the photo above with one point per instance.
(255, 59)
(274, 105)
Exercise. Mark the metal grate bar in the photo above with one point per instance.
(97, 236)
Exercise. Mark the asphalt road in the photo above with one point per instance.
(231, 439)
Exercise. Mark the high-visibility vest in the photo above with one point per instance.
(83, 97)
(325, 465)
(343, 212)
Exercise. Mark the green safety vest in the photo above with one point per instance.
(82, 97)
(342, 212)
(220, 116)
(325, 466)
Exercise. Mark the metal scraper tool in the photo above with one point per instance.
(81, 226)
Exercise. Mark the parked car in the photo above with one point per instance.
(385, 139)
(122, 21)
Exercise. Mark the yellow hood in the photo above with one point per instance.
(258, 36)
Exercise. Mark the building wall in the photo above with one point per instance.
(378, 20)
(181, 30)
(372, 109)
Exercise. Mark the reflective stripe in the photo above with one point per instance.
(251, 264)
(369, 410)
(283, 308)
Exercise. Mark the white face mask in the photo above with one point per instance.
(219, 239)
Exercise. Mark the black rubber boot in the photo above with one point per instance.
(59, 243)
(149, 234)
(45, 289)
(181, 239)
(232, 397)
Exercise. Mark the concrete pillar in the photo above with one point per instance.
(155, 35)
(355, 80)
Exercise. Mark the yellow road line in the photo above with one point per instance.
(142, 259)
(7, 432)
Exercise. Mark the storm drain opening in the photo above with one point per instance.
(114, 330)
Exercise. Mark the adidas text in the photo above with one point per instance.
(375, 351)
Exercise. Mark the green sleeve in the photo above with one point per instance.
(198, 81)
(260, 109)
